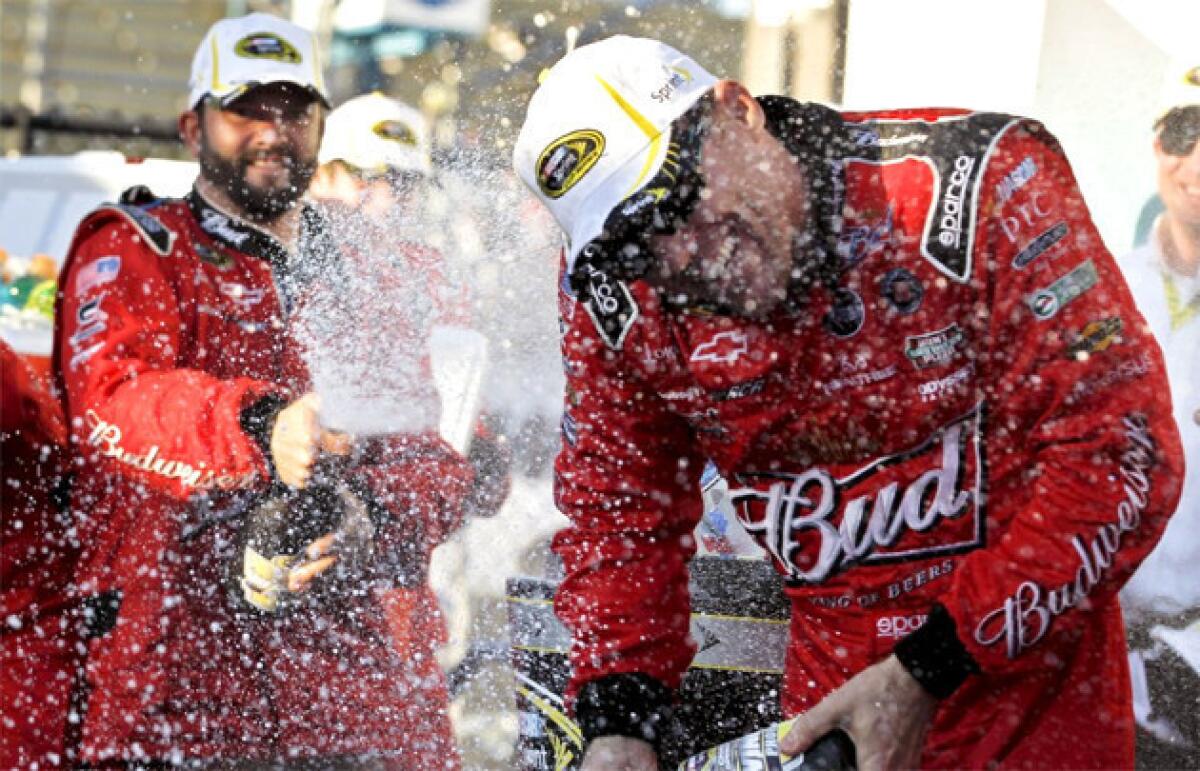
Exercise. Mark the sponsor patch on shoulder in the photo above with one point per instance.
(150, 228)
(218, 258)
(97, 273)
(1040, 245)
(611, 306)
(1045, 303)
(1096, 336)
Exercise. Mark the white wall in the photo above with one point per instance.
(977, 53)
(1081, 67)
(1098, 88)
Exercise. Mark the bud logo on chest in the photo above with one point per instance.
(917, 504)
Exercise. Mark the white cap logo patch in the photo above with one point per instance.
(265, 45)
(598, 129)
(395, 131)
(565, 160)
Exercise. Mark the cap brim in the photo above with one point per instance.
(607, 230)
(236, 92)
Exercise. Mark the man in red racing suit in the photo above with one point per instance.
(37, 647)
(955, 444)
(176, 352)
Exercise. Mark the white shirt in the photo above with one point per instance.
(1169, 580)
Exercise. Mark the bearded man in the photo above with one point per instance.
(233, 550)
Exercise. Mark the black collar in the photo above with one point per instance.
(236, 233)
(316, 251)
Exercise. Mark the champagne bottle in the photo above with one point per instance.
(759, 751)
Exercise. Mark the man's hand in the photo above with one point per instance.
(318, 558)
(883, 709)
(297, 437)
(619, 753)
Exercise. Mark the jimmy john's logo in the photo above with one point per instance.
(267, 45)
(934, 349)
(924, 502)
(395, 131)
(564, 162)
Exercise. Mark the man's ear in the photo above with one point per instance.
(1158, 150)
(734, 101)
(189, 130)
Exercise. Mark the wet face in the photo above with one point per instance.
(1178, 153)
(261, 150)
(735, 249)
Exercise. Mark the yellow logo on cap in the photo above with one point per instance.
(267, 45)
(395, 131)
(1192, 78)
(564, 162)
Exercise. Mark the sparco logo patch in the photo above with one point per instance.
(611, 307)
(933, 348)
(892, 627)
(267, 45)
(950, 226)
(565, 160)
(917, 504)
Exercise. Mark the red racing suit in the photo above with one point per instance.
(173, 329)
(37, 552)
(970, 425)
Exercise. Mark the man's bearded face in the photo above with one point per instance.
(261, 150)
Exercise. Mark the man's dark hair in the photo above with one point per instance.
(1178, 129)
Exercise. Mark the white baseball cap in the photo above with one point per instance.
(240, 53)
(375, 132)
(598, 129)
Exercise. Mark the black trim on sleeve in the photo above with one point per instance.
(634, 705)
(934, 655)
(258, 420)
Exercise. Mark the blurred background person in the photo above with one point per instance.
(375, 181)
(1162, 599)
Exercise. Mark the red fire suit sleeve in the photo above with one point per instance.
(422, 482)
(1079, 400)
(118, 339)
(627, 478)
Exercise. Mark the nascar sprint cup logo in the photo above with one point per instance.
(924, 502)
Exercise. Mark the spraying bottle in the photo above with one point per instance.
(759, 751)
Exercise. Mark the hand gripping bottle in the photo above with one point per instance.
(759, 751)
